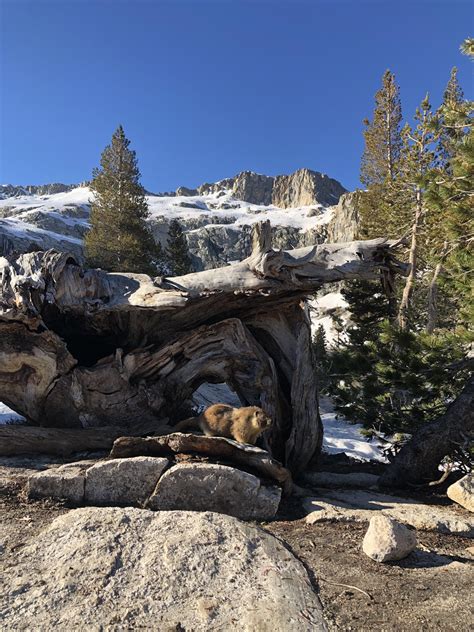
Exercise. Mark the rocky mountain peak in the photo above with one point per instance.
(304, 187)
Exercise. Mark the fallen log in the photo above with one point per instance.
(18, 439)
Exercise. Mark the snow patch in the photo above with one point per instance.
(7, 415)
(342, 436)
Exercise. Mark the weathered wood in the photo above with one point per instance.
(219, 447)
(17, 439)
(85, 348)
(418, 461)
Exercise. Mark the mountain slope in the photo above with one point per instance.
(216, 218)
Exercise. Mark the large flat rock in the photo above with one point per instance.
(127, 569)
(123, 481)
(211, 487)
(360, 506)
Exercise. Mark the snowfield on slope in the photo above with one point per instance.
(15, 212)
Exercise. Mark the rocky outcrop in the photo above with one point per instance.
(253, 187)
(387, 540)
(186, 191)
(115, 569)
(217, 246)
(305, 187)
(215, 187)
(31, 239)
(301, 188)
(344, 223)
(11, 190)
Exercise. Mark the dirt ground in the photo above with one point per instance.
(431, 590)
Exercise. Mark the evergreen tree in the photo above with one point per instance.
(119, 238)
(418, 158)
(399, 380)
(321, 356)
(382, 135)
(449, 135)
(177, 249)
(449, 195)
(381, 213)
(369, 306)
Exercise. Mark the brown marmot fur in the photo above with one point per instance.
(244, 425)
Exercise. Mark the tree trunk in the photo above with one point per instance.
(85, 348)
(412, 260)
(433, 293)
(418, 461)
(433, 300)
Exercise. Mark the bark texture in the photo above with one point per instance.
(418, 461)
(83, 348)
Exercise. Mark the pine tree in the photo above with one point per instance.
(119, 238)
(399, 380)
(452, 98)
(321, 356)
(381, 214)
(418, 158)
(177, 249)
(449, 195)
(382, 135)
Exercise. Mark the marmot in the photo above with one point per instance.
(244, 425)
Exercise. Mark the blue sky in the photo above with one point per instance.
(207, 89)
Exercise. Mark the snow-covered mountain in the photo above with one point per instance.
(217, 218)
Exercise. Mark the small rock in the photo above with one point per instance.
(210, 487)
(67, 483)
(462, 492)
(387, 540)
(123, 481)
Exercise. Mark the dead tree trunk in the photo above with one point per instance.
(85, 348)
(418, 461)
(413, 261)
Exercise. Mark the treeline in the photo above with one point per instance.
(403, 357)
(120, 237)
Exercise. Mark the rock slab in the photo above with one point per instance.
(108, 568)
(211, 487)
(462, 492)
(123, 481)
(387, 540)
(65, 482)
(361, 505)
